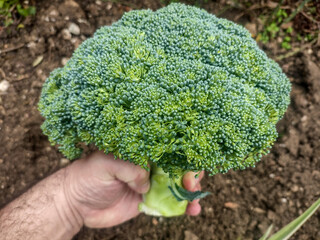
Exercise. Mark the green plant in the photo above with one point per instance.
(272, 29)
(9, 6)
(274, 25)
(287, 231)
(174, 90)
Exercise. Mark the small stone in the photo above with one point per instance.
(208, 209)
(154, 221)
(272, 175)
(259, 210)
(54, 13)
(64, 162)
(294, 188)
(283, 200)
(1, 160)
(252, 27)
(74, 29)
(4, 85)
(304, 118)
(109, 5)
(98, 2)
(188, 235)
(31, 44)
(66, 35)
(71, 8)
(231, 205)
(271, 215)
(64, 61)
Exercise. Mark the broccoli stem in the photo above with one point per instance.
(160, 201)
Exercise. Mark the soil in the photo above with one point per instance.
(242, 205)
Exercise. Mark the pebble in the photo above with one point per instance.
(271, 215)
(231, 205)
(283, 200)
(295, 188)
(54, 13)
(304, 118)
(309, 51)
(4, 85)
(74, 29)
(64, 61)
(1, 161)
(258, 210)
(64, 162)
(208, 209)
(272, 175)
(188, 235)
(252, 28)
(31, 44)
(154, 221)
(66, 35)
(109, 5)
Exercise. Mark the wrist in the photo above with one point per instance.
(66, 206)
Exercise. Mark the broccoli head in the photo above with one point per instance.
(177, 88)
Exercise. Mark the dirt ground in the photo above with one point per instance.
(242, 205)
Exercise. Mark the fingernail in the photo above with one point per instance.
(145, 187)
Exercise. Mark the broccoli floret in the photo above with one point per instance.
(177, 87)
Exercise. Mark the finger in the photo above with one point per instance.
(124, 210)
(197, 188)
(136, 177)
(193, 209)
(201, 175)
(190, 181)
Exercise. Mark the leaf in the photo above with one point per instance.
(292, 227)
(37, 61)
(267, 233)
(25, 12)
(182, 194)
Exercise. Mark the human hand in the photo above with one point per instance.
(191, 183)
(106, 192)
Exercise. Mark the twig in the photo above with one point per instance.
(295, 51)
(309, 17)
(12, 48)
(294, 13)
(3, 73)
(19, 78)
(223, 10)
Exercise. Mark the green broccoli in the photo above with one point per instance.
(177, 89)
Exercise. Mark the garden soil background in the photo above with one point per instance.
(242, 205)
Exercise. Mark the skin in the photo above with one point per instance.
(97, 192)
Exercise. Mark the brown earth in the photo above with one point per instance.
(242, 205)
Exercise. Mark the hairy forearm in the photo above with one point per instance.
(43, 212)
